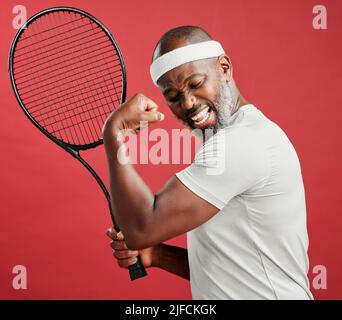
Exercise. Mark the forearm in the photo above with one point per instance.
(131, 198)
(172, 259)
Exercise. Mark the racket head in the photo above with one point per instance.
(71, 111)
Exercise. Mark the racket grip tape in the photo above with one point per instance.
(137, 270)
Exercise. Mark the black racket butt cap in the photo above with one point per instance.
(137, 271)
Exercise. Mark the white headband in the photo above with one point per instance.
(179, 56)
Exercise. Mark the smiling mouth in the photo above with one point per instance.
(201, 117)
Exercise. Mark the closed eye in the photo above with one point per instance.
(196, 85)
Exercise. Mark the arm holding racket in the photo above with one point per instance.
(146, 219)
(169, 258)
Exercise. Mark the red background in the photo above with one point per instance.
(53, 216)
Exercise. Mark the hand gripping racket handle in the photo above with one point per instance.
(137, 270)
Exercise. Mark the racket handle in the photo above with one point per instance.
(137, 270)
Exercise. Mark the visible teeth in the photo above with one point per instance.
(200, 115)
(203, 120)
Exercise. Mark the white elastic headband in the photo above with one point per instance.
(179, 56)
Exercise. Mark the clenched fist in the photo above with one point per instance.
(132, 114)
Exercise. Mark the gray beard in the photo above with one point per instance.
(227, 103)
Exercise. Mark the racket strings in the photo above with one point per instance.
(72, 78)
(56, 37)
(47, 30)
(49, 72)
(75, 135)
(39, 62)
(47, 113)
(73, 94)
(85, 36)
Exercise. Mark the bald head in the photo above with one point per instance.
(179, 37)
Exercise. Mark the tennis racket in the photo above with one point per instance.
(68, 75)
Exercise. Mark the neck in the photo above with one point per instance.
(239, 101)
(229, 103)
(235, 97)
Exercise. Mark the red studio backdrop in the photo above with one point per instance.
(53, 216)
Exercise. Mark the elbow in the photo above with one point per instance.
(138, 241)
(135, 243)
(139, 234)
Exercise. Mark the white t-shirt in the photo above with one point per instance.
(255, 247)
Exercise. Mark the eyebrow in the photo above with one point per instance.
(167, 90)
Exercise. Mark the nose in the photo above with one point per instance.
(188, 101)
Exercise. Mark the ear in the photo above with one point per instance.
(225, 66)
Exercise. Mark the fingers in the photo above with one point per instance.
(122, 254)
(111, 233)
(150, 104)
(152, 116)
(118, 245)
(125, 263)
(125, 257)
(151, 113)
(125, 254)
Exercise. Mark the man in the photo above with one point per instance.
(246, 224)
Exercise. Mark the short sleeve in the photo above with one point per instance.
(227, 165)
